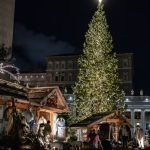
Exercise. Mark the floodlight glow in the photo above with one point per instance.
(127, 99)
(146, 99)
(100, 1)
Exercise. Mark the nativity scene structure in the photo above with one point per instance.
(35, 106)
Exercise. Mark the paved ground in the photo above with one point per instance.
(120, 148)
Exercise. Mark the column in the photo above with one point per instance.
(143, 119)
(132, 122)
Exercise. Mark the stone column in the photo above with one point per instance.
(132, 121)
(143, 120)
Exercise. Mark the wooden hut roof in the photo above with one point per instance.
(109, 117)
(48, 97)
(90, 119)
(13, 89)
(44, 97)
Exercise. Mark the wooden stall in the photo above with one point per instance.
(111, 120)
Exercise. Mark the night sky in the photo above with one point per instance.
(50, 27)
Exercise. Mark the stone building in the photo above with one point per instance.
(138, 111)
(62, 70)
(7, 8)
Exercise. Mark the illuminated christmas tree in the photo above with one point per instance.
(97, 87)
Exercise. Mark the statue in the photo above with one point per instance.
(132, 92)
(141, 92)
(61, 129)
(29, 116)
(60, 122)
(8, 120)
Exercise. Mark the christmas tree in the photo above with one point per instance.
(97, 87)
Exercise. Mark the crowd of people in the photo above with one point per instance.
(98, 142)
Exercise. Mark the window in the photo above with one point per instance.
(70, 77)
(56, 78)
(125, 62)
(62, 77)
(62, 65)
(125, 76)
(70, 64)
(50, 77)
(56, 65)
(50, 65)
(128, 114)
(137, 115)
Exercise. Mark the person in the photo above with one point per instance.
(41, 137)
(47, 129)
(91, 137)
(124, 136)
(139, 135)
(97, 142)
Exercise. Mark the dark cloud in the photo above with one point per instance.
(33, 48)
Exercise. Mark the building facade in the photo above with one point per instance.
(138, 111)
(7, 9)
(63, 70)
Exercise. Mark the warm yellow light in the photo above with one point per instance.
(100, 1)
